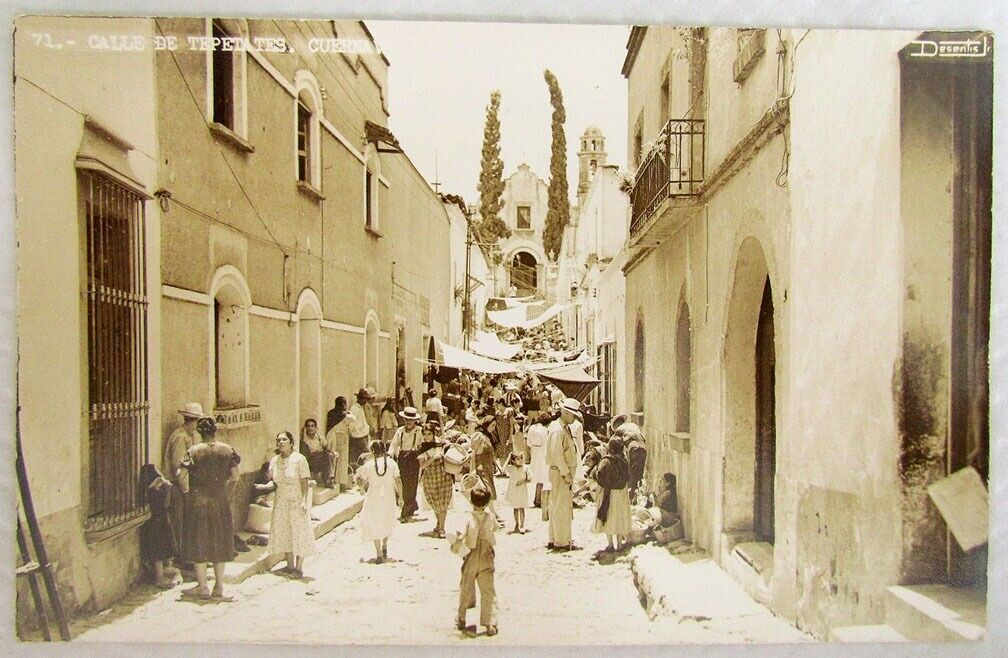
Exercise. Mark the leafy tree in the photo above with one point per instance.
(491, 180)
(558, 213)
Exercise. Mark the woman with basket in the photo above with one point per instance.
(437, 483)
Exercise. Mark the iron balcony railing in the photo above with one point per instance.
(673, 168)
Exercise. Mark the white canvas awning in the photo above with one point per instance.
(488, 344)
(456, 357)
(514, 318)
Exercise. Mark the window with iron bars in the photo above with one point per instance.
(118, 403)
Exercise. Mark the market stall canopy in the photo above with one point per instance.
(583, 360)
(488, 344)
(572, 380)
(456, 357)
(514, 318)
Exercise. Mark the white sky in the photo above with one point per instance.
(441, 76)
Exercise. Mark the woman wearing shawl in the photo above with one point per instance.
(438, 484)
(613, 513)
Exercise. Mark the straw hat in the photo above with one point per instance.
(409, 413)
(616, 421)
(571, 405)
(192, 410)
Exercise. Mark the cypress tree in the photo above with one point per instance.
(558, 213)
(491, 180)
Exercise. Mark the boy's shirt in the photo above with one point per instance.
(479, 523)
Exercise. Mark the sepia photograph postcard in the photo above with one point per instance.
(406, 332)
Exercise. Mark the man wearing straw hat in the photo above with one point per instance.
(183, 438)
(404, 449)
(562, 459)
(360, 429)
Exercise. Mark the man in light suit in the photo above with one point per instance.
(562, 459)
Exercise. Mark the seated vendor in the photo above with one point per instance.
(668, 501)
(320, 455)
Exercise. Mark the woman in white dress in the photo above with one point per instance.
(379, 477)
(535, 439)
(290, 528)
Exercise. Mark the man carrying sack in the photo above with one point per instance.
(405, 450)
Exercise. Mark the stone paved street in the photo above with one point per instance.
(544, 598)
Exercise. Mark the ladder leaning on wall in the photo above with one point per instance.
(31, 568)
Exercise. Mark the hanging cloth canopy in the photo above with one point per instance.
(488, 344)
(514, 318)
(460, 359)
(572, 380)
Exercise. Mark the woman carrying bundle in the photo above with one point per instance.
(612, 517)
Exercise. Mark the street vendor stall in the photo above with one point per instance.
(572, 380)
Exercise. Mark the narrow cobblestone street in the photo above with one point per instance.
(544, 598)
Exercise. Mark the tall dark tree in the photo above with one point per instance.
(558, 213)
(491, 181)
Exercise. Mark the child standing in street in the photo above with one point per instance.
(475, 542)
(518, 493)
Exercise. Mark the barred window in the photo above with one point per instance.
(118, 404)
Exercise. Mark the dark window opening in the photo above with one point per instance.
(304, 142)
(223, 81)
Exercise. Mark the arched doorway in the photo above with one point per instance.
(750, 398)
(766, 434)
(309, 357)
(523, 273)
(371, 351)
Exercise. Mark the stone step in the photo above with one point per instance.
(936, 613)
(338, 509)
(874, 633)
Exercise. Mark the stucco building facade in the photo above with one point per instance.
(276, 249)
(291, 273)
(88, 268)
(801, 290)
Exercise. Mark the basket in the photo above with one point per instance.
(468, 483)
(455, 460)
(670, 534)
(637, 535)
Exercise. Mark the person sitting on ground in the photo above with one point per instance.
(668, 501)
(319, 454)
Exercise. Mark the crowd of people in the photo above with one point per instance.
(470, 430)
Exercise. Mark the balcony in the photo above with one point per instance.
(672, 170)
